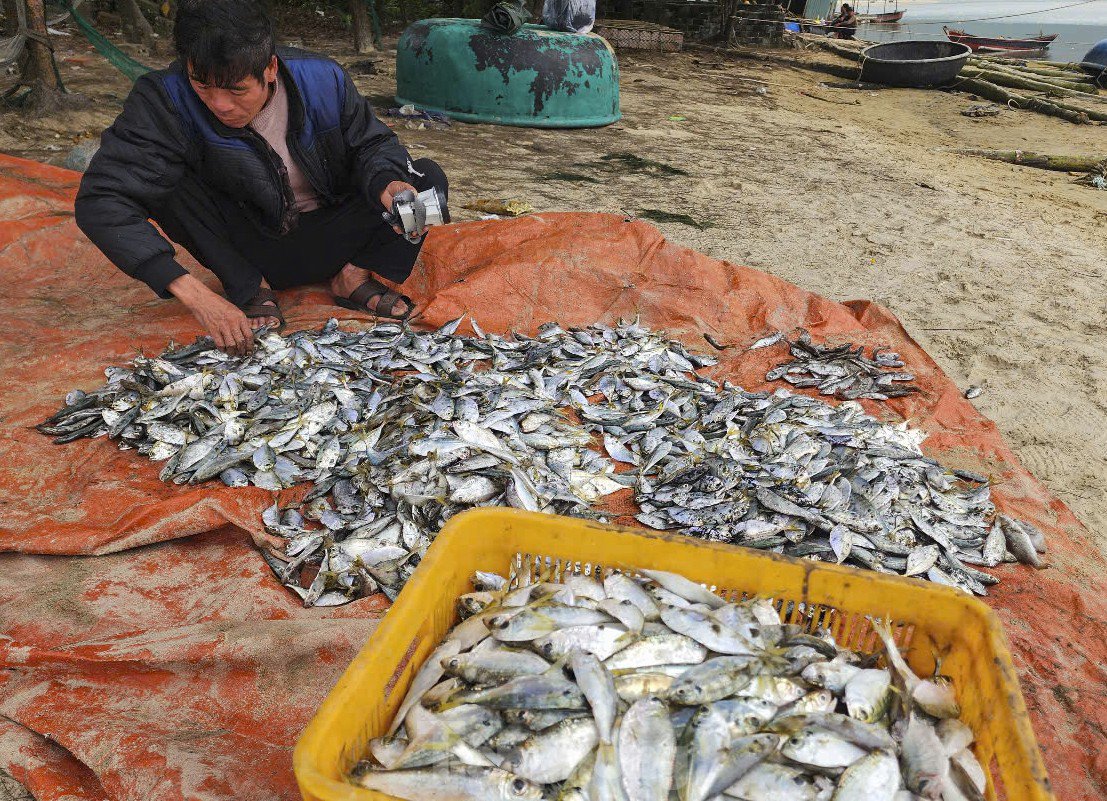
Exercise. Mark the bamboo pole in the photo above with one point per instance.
(1065, 83)
(1043, 161)
(1098, 116)
(997, 94)
(1072, 114)
(1066, 66)
(1018, 82)
(1045, 72)
(1059, 66)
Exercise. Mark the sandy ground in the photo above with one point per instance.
(999, 271)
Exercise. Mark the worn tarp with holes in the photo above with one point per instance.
(145, 649)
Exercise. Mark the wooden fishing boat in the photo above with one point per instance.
(999, 42)
(882, 19)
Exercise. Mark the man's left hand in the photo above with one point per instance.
(390, 192)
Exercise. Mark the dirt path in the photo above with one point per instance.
(998, 271)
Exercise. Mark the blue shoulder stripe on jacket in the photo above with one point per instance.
(323, 90)
(193, 111)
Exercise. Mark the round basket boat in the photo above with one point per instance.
(1095, 62)
(535, 77)
(914, 63)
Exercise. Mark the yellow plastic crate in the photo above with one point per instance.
(928, 620)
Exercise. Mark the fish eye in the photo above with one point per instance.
(755, 632)
(518, 786)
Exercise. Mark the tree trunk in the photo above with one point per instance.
(997, 94)
(1071, 82)
(1042, 161)
(1033, 69)
(1008, 77)
(40, 73)
(1098, 116)
(363, 30)
(136, 27)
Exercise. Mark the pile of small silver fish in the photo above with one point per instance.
(648, 688)
(401, 429)
(842, 371)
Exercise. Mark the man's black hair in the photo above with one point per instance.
(220, 42)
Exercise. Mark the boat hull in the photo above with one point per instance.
(891, 16)
(997, 43)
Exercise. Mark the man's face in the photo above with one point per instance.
(236, 106)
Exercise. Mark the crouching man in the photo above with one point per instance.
(266, 164)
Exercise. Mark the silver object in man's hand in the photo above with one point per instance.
(414, 212)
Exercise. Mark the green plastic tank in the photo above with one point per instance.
(535, 77)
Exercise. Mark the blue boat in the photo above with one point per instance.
(1095, 61)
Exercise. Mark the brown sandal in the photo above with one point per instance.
(263, 304)
(386, 304)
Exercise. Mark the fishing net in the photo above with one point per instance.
(175, 665)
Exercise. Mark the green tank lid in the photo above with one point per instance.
(535, 77)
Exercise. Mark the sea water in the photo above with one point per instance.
(1079, 26)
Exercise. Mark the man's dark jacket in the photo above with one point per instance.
(165, 132)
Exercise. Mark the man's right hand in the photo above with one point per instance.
(225, 322)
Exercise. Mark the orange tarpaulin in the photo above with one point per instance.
(174, 666)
